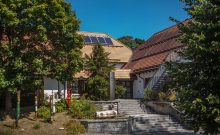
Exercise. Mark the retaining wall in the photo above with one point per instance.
(111, 126)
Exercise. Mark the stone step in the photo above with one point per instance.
(136, 112)
(133, 110)
(154, 118)
(157, 122)
(159, 129)
(149, 126)
(129, 107)
(163, 133)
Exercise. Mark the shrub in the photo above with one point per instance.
(162, 96)
(148, 94)
(44, 112)
(74, 127)
(60, 106)
(171, 95)
(36, 126)
(98, 88)
(82, 109)
(119, 91)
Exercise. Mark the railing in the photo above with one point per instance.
(156, 77)
(161, 70)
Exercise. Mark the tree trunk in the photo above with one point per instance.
(8, 101)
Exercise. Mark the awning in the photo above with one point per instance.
(122, 73)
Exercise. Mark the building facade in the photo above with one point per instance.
(137, 71)
(119, 54)
(147, 64)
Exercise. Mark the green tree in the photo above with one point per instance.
(131, 42)
(120, 91)
(38, 38)
(197, 78)
(98, 62)
(98, 88)
(99, 66)
(139, 41)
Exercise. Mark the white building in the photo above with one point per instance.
(147, 62)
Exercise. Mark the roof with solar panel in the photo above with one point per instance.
(118, 52)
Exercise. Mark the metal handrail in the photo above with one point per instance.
(161, 70)
(156, 77)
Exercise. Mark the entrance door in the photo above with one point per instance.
(81, 86)
(129, 88)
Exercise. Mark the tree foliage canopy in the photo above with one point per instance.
(131, 42)
(98, 62)
(38, 38)
(197, 78)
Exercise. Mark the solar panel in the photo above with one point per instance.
(109, 41)
(101, 40)
(87, 39)
(94, 39)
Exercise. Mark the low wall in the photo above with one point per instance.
(107, 105)
(164, 108)
(111, 126)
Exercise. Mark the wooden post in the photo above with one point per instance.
(53, 104)
(36, 103)
(18, 107)
(51, 109)
(68, 94)
(117, 108)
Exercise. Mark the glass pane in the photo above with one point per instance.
(94, 39)
(109, 41)
(87, 39)
(101, 40)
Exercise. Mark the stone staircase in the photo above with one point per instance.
(157, 124)
(161, 81)
(146, 122)
(130, 106)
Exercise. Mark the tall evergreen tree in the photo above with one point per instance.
(197, 78)
(38, 38)
(99, 66)
(98, 62)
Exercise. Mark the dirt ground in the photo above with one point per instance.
(28, 121)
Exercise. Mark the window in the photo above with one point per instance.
(75, 87)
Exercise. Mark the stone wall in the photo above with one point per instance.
(106, 105)
(111, 126)
(164, 108)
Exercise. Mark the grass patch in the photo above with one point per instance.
(44, 112)
(36, 126)
(5, 132)
(74, 127)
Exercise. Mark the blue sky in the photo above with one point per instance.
(138, 18)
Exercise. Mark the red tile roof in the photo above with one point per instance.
(155, 50)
